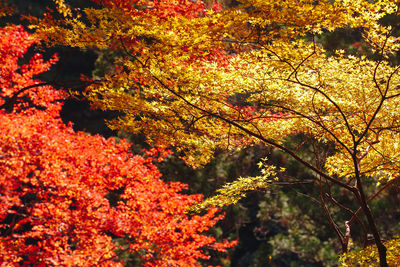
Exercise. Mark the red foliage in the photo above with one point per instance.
(73, 199)
(158, 11)
(157, 8)
(14, 79)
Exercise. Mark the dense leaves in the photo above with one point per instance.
(369, 256)
(74, 199)
(255, 73)
(18, 87)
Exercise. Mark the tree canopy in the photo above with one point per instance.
(72, 199)
(201, 77)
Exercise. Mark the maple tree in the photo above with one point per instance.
(203, 79)
(72, 199)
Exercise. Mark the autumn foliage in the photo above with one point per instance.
(18, 90)
(163, 9)
(72, 199)
(255, 73)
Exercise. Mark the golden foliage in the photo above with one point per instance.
(173, 84)
(369, 256)
(231, 193)
(205, 79)
(63, 8)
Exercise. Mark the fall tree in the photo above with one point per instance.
(205, 78)
(72, 199)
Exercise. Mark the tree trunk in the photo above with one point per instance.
(370, 218)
